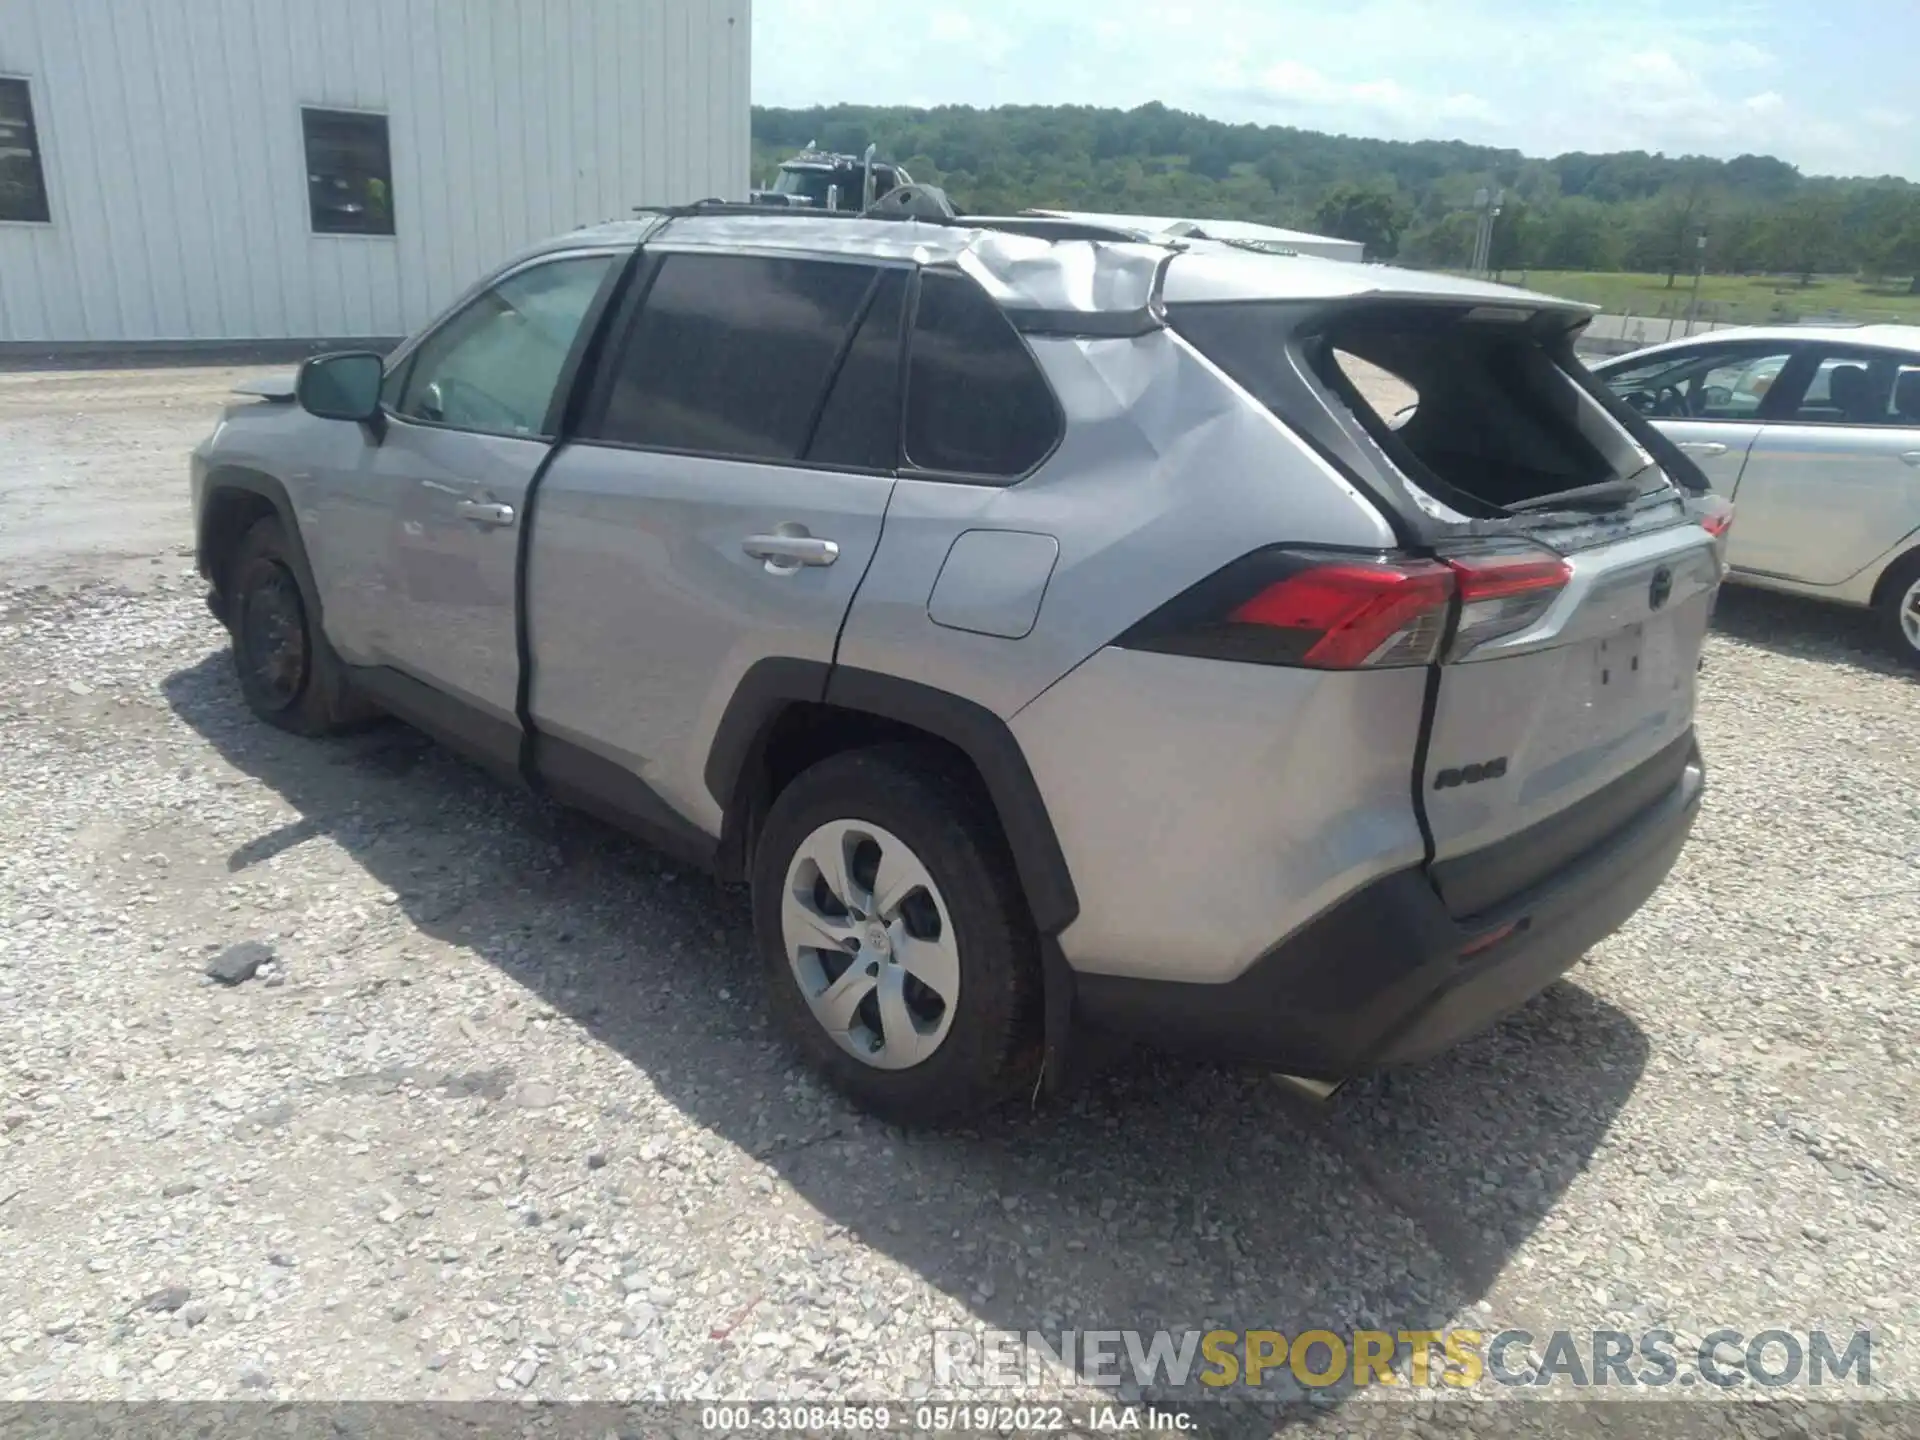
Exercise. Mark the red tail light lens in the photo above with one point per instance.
(1502, 592)
(1329, 610)
(1358, 614)
(1322, 609)
(1714, 515)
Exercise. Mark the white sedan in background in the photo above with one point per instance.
(1814, 433)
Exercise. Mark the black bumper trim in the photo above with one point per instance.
(1487, 878)
(1388, 977)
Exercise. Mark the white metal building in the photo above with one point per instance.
(181, 170)
(1245, 231)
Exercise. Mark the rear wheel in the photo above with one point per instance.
(1900, 609)
(288, 672)
(899, 955)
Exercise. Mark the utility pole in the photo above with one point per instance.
(1699, 266)
(1487, 203)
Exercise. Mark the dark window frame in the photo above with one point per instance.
(597, 389)
(909, 469)
(909, 291)
(37, 156)
(560, 406)
(335, 113)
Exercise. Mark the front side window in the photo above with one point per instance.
(493, 367)
(730, 354)
(809, 185)
(349, 172)
(977, 403)
(23, 181)
(1715, 384)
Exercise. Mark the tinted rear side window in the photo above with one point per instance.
(861, 422)
(730, 354)
(977, 403)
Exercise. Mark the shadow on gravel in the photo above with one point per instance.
(1807, 630)
(1159, 1194)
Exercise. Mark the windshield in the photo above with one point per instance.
(811, 184)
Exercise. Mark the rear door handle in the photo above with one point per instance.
(484, 512)
(1912, 457)
(1702, 447)
(788, 552)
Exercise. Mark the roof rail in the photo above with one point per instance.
(1040, 227)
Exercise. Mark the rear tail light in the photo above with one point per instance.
(1328, 610)
(1347, 615)
(1714, 515)
(1323, 610)
(1503, 592)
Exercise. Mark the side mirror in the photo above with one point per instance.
(345, 386)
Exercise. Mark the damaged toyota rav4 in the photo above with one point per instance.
(1041, 620)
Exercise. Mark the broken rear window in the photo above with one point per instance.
(1478, 413)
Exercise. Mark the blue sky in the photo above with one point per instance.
(1828, 85)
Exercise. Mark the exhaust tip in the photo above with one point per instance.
(1318, 1091)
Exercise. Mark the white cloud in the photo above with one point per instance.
(1290, 85)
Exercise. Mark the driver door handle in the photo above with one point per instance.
(1912, 457)
(790, 550)
(1702, 447)
(489, 513)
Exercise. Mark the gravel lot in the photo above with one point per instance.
(501, 1116)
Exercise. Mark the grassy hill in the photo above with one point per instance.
(1628, 212)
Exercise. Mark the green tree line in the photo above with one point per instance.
(1407, 200)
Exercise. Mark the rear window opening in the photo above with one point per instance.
(1478, 415)
(1475, 409)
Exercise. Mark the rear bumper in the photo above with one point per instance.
(1389, 977)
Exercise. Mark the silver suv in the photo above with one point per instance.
(1289, 660)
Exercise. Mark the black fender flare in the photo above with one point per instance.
(770, 686)
(266, 487)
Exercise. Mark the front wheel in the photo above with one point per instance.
(899, 955)
(288, 672)
(1900, 609)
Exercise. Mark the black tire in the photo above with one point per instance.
(1893, 592)
(936, 806)
(288, 673)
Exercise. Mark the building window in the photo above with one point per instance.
(23, 184)
(349, 172)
